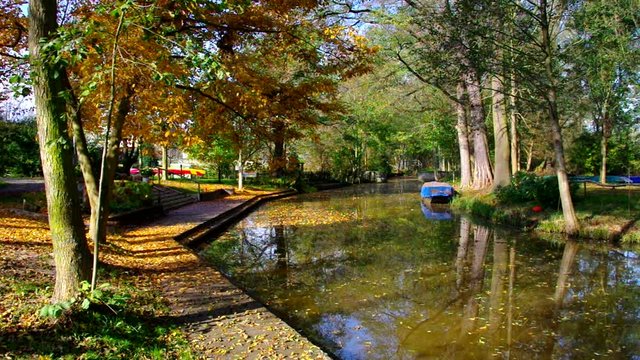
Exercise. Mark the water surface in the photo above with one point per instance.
(367, 273)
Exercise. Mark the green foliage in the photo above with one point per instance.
(624, 153)
(130, 195)
(55, 310)
(103, 295)
(18, 144)
(527, 187)
(218, 153)
(108, 323)
(478, 206)
(146, 172)
(632, 237)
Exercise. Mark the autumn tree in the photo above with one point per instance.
(279, 66)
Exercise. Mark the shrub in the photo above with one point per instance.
(526, 187)
(129, 195)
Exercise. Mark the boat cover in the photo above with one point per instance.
(434, 188)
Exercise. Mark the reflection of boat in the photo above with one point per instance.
(434, 211)
(436, 192)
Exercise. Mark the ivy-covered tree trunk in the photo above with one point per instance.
(70, 252)
(502, 174)
(482, 172)
(463, 138)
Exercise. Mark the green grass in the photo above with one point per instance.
(604, 214)
(135, 332)
(632, 236)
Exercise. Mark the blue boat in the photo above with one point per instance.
(436, 192)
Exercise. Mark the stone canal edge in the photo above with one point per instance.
(219, 319)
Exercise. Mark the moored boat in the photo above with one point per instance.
(436, 192)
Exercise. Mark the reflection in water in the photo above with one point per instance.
(436, 211)
(566, 264)
(383, 283)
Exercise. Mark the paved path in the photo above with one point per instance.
(220, 320)
(19, 186)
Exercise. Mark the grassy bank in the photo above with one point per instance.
(130, 327)
(605, 214)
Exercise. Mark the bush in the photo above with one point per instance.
(526, 187)
(129, 195)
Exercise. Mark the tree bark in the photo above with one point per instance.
(240, 170)
(463, 137)
(513, 128)
(568, 211)
(165, 163)
(279, 159)
(604, 146)
(70, 252)
(502, 175)
(482, 173)
(100, 213)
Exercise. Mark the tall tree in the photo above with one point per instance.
(606, 57)
(70, 250)
(440, 44)
(549, 19)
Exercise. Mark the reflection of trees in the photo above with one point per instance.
(566, 266)
(476, 278)
(415, 288)
(500, 264)
(463, 244)
(512, 279)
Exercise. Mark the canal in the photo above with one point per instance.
(367, 272)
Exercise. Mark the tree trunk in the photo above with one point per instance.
(604, 150)
(130, 156)
(529, 157)
(604, 147)
(240, 170)
(279, 161)
(463, 138)
(482, 173)
(165, 163)
(513, 122)
(502, 175)
(100, 213)
(568, 211)
(70, 252)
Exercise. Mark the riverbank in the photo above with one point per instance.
(611, 215)
(176, 307)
